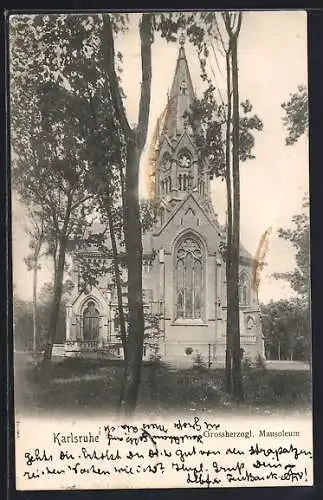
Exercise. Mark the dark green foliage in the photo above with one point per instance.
(296, 117)
(60, 112)
(22, 325)
(199, 362)
(286, 328)
(279, 388)
(207, 119)
(286, 323)
(147, 214)
(248, 124)
(23, 322)
(299, 237)
(152, 334)
(82, 385)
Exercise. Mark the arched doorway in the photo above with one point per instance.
(91, 321)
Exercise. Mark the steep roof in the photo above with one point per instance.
(181, 97)
(97, 228)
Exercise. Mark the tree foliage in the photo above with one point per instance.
(222, 152)
(57, 79)
(299, 237)
(286, 328)
(296, 115)
(23, 319)
(208, 118)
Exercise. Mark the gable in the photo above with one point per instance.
(165, 146)
(188, 215)
(185, 142)
(80, 300)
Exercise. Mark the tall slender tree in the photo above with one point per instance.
(233, 26)
(223, 152)
(50, 136)
(135, 139)
(37, 236)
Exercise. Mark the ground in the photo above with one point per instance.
(74, 386)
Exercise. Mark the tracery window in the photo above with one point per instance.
(185, 159)
(189, 279)
(244, 290)
(91, 322)
(184, 182)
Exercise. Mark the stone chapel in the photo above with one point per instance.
(183, 270)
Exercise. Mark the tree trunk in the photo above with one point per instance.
(35, 283)
(237, 388)
(56, 300)
(115, 259)
(278, 351)
(136, 323)
(35, 333)
(228, 353)
(135, 139)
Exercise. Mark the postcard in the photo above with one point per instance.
(160, 228)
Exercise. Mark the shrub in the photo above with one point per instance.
(154, 356)
(246, 364)
(198, 362)
(188, 351)
(260, 362)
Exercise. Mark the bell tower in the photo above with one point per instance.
(178, 170)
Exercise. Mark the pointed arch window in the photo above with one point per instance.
(201, 188)
(244, 290)
(166, 162)
(91, 320)
(189, 279)
(184, 182)
(162, 215)
(169, 184)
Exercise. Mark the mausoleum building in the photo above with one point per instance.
(184, 278)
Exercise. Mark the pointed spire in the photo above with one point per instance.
(181, 95)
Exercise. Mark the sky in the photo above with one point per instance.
(272, 63)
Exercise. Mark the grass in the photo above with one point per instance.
(79, 385)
